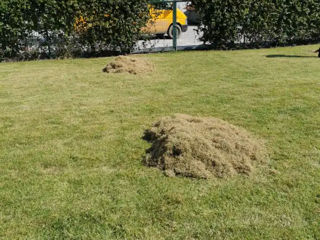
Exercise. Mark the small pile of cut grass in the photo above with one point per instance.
(202, 148)
(126, 64)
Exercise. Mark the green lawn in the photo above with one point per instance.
(71, 148)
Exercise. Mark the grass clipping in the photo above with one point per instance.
(197, 147)
(126, 64)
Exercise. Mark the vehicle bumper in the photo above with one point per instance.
(184, 28)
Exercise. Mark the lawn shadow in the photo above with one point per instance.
(289, 56)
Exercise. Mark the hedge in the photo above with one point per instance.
(50, 28)
(253, 23)
(57, 28)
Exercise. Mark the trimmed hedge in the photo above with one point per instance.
(32, 29)
(254, 23)
(50, 28)
(13, 29)
(113, 23)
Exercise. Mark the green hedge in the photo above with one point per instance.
(46, 28)
(299, 21)
(13, 28)
(114, 23)
(253, 23)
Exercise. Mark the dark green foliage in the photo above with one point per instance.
(298, 20)
(12, 27)
(254, 23)
(50, 28)
(220, 20)
(258, 23)
(112, 24)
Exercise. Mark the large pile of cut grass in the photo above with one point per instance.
(126, 64)
(202, 148)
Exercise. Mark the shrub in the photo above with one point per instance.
(298, 21)
(220, 20)
(48, 28)
(228, 23)
(13, 28)
(112, 24)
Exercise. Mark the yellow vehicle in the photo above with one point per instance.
(161, 21)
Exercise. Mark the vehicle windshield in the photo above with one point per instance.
(162, 6)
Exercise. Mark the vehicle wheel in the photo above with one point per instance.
(178, 29)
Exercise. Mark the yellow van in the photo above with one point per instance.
(161, 21)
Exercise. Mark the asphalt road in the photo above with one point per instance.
(187, 40)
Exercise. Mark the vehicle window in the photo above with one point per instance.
(162, 6)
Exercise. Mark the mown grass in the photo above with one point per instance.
(71, 148)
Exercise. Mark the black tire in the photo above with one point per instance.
(178, 29)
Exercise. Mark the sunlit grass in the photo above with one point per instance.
(71, 147)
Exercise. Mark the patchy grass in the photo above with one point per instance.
(71, 148)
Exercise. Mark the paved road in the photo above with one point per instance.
(187, 40)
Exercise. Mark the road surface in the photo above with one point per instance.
(187, 40)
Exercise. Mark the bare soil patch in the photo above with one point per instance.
(126, 64)
(201, 147)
